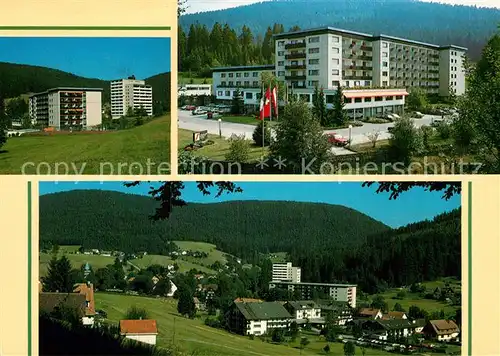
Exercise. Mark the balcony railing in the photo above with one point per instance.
(243, 86)
(295, 45)
(434, 64)
(295, 77)
(296, 86)
(295, 55)
(360, 77)
(366, 48)
(296, 66)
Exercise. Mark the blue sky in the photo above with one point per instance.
(212, 5)
(415, 205)
(91, 57)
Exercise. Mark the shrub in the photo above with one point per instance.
(239, 149)
(258, 136)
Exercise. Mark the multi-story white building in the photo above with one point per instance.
(285, 272)
(337, 292)
(248, 79)
(130, 93)
(376, 72)
(195, 90)
(65, 108)
(326, 57)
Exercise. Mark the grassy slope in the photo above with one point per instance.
(219, 149)
(184, 266)
(87, 152)
(193, 337)
(426, 304)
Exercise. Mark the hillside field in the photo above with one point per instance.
(194, 338)
(121, 152)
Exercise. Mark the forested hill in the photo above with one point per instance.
(441, 24)
(113, 220)
(18, 79)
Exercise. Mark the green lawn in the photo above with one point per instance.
(77, 261)
(213, 254)
(220, 148)
(184, 266)
(141, 150)
(194, 338)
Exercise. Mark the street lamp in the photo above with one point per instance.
(350, 128)
(220, 129)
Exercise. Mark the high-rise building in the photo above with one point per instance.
(327, 56)
(307, 291)
(285, 272)
(65, 108)
(130, 93)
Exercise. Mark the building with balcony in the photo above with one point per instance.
(66, 108)
(308, 291)
(326, 57)
(248, 79)
(130, 93)
(285, 272)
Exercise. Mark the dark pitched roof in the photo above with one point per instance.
(369, 311)
(395, 324)
(263, 311)
(303, 304)
(48, 302)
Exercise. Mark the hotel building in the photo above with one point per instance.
(195, 90)
(285, 272)
(337, 292)
(64, 108)
(131, 92)
(379, 69)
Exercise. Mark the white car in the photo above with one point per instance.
(396, 116)
(199, 111)
(419, 114)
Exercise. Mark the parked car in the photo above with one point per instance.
(436, 122)
(419, 115)
(390, 129)
(396, 116)
(337, 140)
(199, 111)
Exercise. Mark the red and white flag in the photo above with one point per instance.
(275, 100)
(265, 105)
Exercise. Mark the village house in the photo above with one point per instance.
(441, 330)
(394, 315)
(139, 330)
(81, 301)
(391, 329)
(303, 311)
(87, 290)
(198, 305)
(341, 311)
(257, 318)
(370, 313)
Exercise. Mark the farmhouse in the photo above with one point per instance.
(303, 311)
(81, 301)
(370, 313)
(441, 330)
(140, 330)
(391, 329)
(257, 318)
(394, 315)
(341, 311)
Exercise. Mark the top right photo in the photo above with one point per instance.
(339, 87)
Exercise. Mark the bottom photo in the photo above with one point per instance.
(250, 268)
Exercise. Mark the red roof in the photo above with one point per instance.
(373, 93)
(138, 327)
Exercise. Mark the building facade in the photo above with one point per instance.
(195, 90)
(336, 292)
(304, 310)
(285, 272)
(130, 93)
(257, 318)
(326, 57)
(248, 79)
(65, 108)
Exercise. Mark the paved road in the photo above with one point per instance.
(190, 122)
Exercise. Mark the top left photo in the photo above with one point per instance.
(85, 105)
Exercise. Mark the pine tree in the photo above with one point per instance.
(320, 111)
(238, 104)
(338, 114)
(185, 305)
(59, 276)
